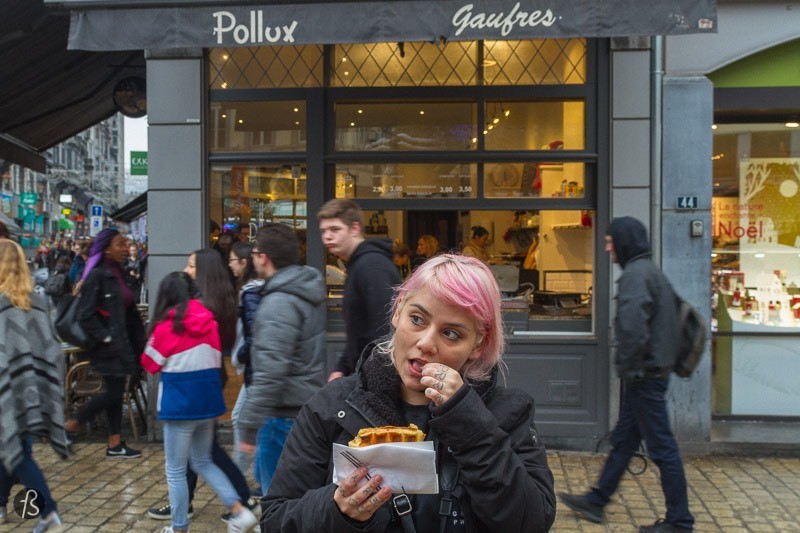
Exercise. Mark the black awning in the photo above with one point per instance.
(132, 209)
(126, 25)
(49, 93)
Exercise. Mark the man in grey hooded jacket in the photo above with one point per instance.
(288, 347)
(647, 331)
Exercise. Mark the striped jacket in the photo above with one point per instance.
(31, 380)
(189, 362)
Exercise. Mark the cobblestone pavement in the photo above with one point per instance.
(726, 493)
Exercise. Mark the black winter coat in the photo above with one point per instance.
(102, 313)
(504, 483)
(368, 292)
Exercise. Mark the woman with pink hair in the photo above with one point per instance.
(439, 370)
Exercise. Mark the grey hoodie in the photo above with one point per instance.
(289, 347)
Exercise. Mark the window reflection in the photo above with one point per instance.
(397, 126)
(243, 198)
(553, 125)
(276, 126)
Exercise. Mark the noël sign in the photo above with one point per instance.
(138, 163)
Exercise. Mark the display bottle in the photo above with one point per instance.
(748, 304)
(737, 297)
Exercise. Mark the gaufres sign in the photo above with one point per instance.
(254, 30)
(125, 25)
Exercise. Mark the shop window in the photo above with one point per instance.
(405, 126)
(756, 268)
(545, 290)
(549, 125)
(406, 180)
(545, 179)
(535, 62)
(265, 67)
(243, 197)
(412, 64)
(266, 126)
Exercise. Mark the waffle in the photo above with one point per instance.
(382, 434)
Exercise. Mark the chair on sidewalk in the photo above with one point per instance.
(82, 383)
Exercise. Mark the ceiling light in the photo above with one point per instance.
(507, 112)
(495, 120)
(360, 111)
(296, 109)
(489, 62)
(485, 132)
(225, 57)
(241, 121)
(713, 126)
(224, 115)
(296, 122)
(421, 112)
(760, 255)
(352, 123)
(346, 73)
(714, 255)
(224, 85)
(792, 124)
(344, 60)
(474, 140)
(490, 127)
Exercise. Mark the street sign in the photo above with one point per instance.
(95, 225)
(97, 211)
(687, 202)
(138, 163)
(28, 198)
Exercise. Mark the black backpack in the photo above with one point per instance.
(57, 285)
(692, 341)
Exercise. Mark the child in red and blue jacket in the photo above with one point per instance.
(184, 345)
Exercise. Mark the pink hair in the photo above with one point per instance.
(466, 282)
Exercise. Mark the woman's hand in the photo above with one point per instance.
(441, 382)
(361, 503)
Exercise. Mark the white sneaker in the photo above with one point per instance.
(51, 522)
(242, 522)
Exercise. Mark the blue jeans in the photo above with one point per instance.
(30, 475)
(189, 441)
(223, 461)
(271, 438)
(644, 415)
(241, 459)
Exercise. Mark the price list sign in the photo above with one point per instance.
(413, 180)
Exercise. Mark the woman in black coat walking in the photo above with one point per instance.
(108, 314)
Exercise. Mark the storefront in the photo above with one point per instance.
(755, 257)
(756, 237)
(436, 117)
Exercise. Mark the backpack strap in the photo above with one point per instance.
(448, 480)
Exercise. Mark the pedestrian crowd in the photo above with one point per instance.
(424, 345)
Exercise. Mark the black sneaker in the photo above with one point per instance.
(251, 504)
(121, 451)
(165, 512)
(581, 505)
(661, 526)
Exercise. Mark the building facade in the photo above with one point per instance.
(84, 170)
(541, 139)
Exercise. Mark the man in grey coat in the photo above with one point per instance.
(288, 349)
(647, 331)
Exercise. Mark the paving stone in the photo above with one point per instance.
(758, 494)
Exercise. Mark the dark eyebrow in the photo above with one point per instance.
(449, 324)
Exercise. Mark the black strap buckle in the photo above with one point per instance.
(402, 505)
